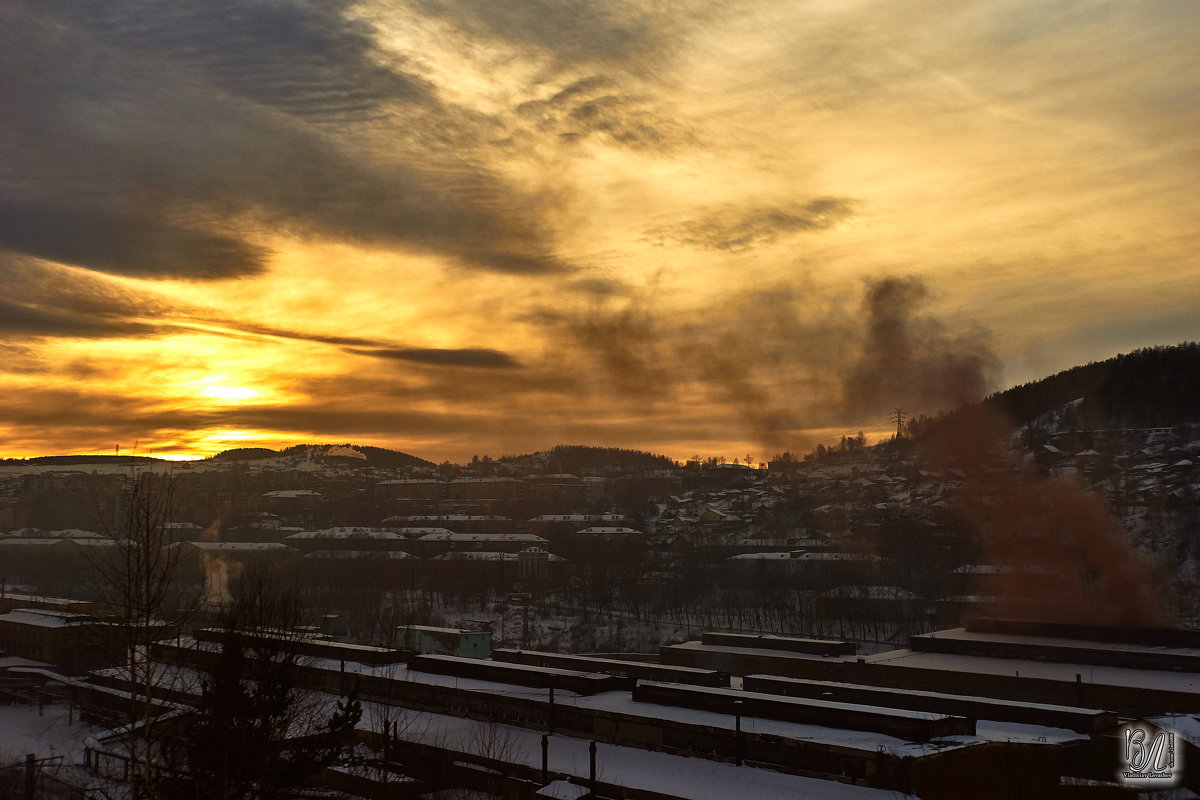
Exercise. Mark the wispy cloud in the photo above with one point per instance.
(599, 107)
(576, 31)
(44, 300)
(738, 229)
(483, 357)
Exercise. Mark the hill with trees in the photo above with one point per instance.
(371, 456)
(582, 459)
(1148, 388)
(1154, 387)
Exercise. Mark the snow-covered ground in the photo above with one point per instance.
(54, 732)
(696, 778)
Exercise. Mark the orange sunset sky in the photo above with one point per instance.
(459, 227)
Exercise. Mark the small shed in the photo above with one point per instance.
(429, 640)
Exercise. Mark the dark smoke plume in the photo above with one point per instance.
(790, 359)
(909, 360)
(1063, 556)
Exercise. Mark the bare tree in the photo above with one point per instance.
(495, 746)
(141, 582)
(256, 732)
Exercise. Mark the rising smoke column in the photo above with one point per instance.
(218, 573)
(909, 359)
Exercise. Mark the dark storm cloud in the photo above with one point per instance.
(740, 230)
(572, 31)
(35, 321)
(126, 154)
(596, 106)
(123, 243)
(309, 59)
(42, 300)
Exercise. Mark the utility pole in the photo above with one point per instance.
(898, 415)
(737, 732)
(592, 768)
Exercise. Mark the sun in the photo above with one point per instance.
(219, 390)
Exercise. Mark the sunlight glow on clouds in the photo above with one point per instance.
(457, 227)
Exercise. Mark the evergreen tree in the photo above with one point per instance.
(256, 733)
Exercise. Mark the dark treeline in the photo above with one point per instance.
(83, 459)
(1149, 388)
(244, 454)
(579, 458)
(376, 456)
(1153, 387)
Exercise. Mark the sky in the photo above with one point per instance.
(467, 227)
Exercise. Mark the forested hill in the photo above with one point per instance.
(1149, 388)
(88, 459)
(577, 459)
(370, 456)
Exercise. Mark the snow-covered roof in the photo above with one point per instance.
(413, 532)
(237, 546)
(449, 536)
(578, 517)
(447, 518)
(366, 555)
(563, 790)
(1186, 725)
(600, 529)
(1185, 682)
(66, 533)
(475, 555)
(810, 556)
(870, 593)
(1001, 569)
(44, 619)
(346, 533)
(768, 556)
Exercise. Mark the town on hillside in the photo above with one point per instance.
(585, 622)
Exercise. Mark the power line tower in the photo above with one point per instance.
(898, 416)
